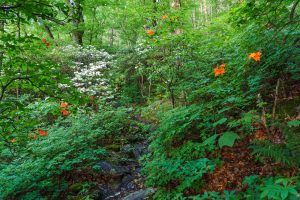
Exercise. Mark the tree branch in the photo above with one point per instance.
(6, 7)
(4, 87)
(57, 21)
(292, 13)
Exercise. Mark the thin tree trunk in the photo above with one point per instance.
(48, 30)
(92, 31)
(2, 25)
(205, 10)
(76, 13)
(18, 37)
(149, 90)
(276, 99)
(112, 37)
(46, 27)
(142, 85)
(194, 15)
(201, 11)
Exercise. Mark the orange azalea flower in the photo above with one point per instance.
(256, 56)
(42, 132)
(219, 70)
(44, 40)
(150, 32)
(64, 105)
(92, 98)
(14, 140)
(65, 112)
(164, 17)
(222, 65)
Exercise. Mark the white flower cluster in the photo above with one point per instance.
(63, 86)
(90, 79)
(85, 55)
(142, 49)
(90, 69)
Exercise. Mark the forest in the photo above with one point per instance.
(149, 99)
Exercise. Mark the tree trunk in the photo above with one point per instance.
(76, 14)
(92, 30)
(48, 30)
(112, 35)
(205, 11)
(2, 25)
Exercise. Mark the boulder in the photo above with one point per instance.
(103, 192)
(140, 150)
(127, 184)
(139, 195)
(108, 169)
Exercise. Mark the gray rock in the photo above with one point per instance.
(102, 193)
(127, 150)
(127, 183)
(140, 150)
(135, 151)
(138, 195)
(109, 169)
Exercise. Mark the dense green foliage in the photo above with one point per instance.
(198, 80)
(37, 166)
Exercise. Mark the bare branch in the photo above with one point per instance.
(6, 7)
(292, 13)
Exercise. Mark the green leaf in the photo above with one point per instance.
(210, 140)
(264, 194)
(284, 194)
(293, 191)
(220, 122)
(294, 123)
(228, 139)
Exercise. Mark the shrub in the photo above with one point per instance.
(38, 169)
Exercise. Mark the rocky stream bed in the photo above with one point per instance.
(126, 181)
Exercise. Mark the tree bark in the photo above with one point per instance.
(112, 35)
(46, 27)
(76, 13)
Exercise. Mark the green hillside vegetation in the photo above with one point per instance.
(132, 99)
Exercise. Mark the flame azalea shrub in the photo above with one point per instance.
(25, 67)
(164, 17)
(72, 144)
(30, 117)
(186, 136)
(150, 32)
(277, 61)
(226, 106)
(255, 56)
(39, 113)
(219, 70)
(64, 106)
(47, 44)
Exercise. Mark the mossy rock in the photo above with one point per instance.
(113, 147)
(76, 187)
(80, 197)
